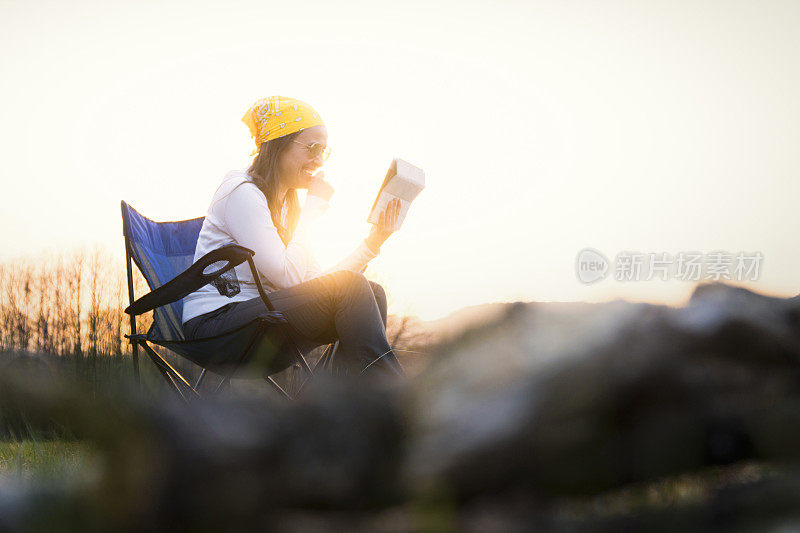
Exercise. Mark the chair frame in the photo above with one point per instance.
(189, 281)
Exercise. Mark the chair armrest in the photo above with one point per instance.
(192, 278)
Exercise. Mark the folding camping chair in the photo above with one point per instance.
(164, 254)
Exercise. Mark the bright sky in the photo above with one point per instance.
(544, 127)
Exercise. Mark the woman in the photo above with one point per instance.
(259, 209)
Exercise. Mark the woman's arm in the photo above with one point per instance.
(356, 261)
(249, 223)
(387, 222)
(369, 247)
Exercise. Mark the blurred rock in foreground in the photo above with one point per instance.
(550, 403)
(570, 399)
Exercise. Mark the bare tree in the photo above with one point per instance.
(61, 297)
(43, 338)
(5, 333)
(69, 303)
(75, 285)
(94, 281)
(16, 292)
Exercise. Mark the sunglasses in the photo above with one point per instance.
(316, 149)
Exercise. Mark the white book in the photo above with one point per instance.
(403, 181)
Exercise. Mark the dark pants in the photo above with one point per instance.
(343, 305)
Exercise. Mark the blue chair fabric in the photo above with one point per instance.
(162, 251)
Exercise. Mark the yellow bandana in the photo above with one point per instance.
(276, 116)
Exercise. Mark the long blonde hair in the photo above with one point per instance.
(264, 172)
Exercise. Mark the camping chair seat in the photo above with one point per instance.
(164, 253)
(255, 343)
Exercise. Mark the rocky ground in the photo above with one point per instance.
(551, 416)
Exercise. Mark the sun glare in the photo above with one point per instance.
(543, 130)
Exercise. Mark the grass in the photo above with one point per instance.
(680, 490)
(48, 459)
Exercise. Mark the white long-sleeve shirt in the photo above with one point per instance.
(239, 214)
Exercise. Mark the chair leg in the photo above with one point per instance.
(299, 360)
(332, 357)
(325, 364)
(174, 377)
(277, 387)
(175, 387)
(225, 381)
(171, 384)
(200, 380)
(302, 360)
(324, 361)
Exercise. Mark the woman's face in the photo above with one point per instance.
(296, 164)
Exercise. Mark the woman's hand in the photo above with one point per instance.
(386, 225)
(320, 187)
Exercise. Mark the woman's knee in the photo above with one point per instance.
(350, 280)
(380, 294)
(355, 285)
(380, 299)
